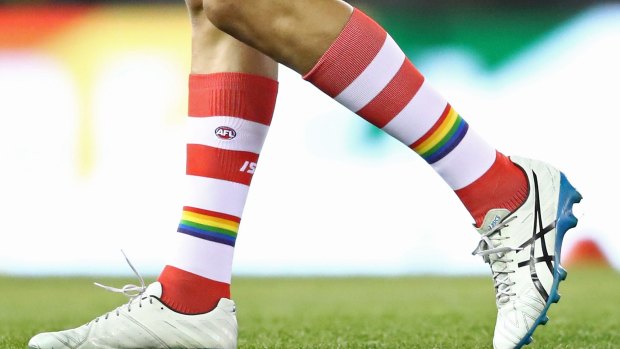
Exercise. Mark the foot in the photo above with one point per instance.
(146, 322)
(523, 249)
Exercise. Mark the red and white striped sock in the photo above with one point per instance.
(367, 72)
(229, 116)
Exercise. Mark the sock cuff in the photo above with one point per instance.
(503, 185)
(189, 293)
(246, 96)
(349, 55)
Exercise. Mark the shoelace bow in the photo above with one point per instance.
(132, 291)
(492, 252)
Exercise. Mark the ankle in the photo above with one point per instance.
(189, 293)
(504, 185)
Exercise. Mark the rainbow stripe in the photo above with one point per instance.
(209, 225)
(443, 137)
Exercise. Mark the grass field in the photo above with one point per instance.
(409, 312)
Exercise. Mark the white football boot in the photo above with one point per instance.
(146, 323)
(523, 249)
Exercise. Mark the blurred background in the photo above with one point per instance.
(93, 98)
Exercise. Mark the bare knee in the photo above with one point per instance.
(224, 14)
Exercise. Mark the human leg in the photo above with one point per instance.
(352, 59)
(522, 207)
(232, 92)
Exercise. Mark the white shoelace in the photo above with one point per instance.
(132, 291)
(491, 250)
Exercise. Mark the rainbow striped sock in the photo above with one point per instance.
(443, 137)
(367, 72)
(229, 117)
(209, 225)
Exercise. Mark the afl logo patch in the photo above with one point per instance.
(225, 133)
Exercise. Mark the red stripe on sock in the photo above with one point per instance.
(433, 129)
(394, 97)
(354, 49)
(219, 163)
(504, 185)
(212, 213)
(189, 293)
(246, 96)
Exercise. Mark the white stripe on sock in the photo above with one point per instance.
(419, 116)
(250, 135)
(202, 257)
(374, 78)
(216, 195)
(467, 162)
